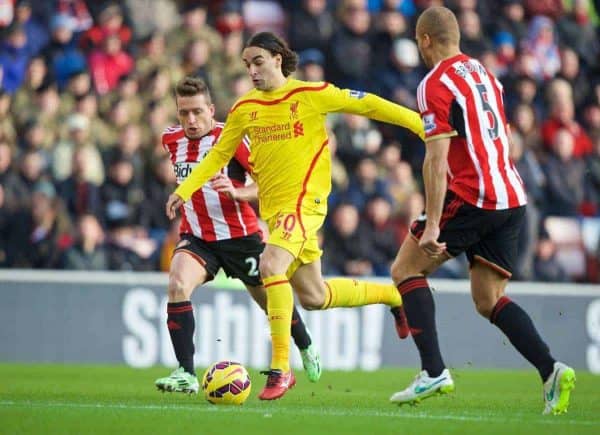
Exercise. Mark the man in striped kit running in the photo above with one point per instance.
(475, 203)
(219, 229)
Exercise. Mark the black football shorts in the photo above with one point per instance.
(238, 257)
(488, 236)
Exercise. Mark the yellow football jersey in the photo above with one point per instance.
(289, 155)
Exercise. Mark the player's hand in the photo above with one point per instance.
(429, 242)
(221, 183)
(173, 203)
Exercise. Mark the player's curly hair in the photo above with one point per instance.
(190, 86)
(275, 45)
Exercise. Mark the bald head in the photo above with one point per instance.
(440, 24)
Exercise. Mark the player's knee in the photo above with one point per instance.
(177, 290)
(400, 272)
(484, 306)
(269, 266)
(311, 301)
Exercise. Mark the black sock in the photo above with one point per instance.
(420, 313)
(299, 333)
(518, 327)
(180, 321)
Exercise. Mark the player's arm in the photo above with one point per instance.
(334, 99)
(222, 183)
(218, 156)
(435, 167)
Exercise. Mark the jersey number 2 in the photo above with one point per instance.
(253, 266)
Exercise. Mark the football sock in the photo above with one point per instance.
(280, 302)
(516, 324)
(180, 321)
(420, 313)
(299, 332)
(346, 292)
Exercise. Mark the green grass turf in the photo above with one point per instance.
(48, 399)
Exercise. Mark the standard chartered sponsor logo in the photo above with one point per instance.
(226, 329)
(272, 133)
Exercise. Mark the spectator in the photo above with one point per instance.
(151, 16)
(7, 126)
(505, 47)
(390, 26)
(35, 76)
(383, 232)
(78, 12)
(153, 55)
(311, 65)
(311, 26)
(541, 45)
(80, 195)
(400, 78)
(351, 41)
(120, 194)
(13, 189)
(110, 23)
(88, 252)
(101, 132)
(365, 184)
(535, 184)
(78, 127)
(473, 41)
(562, 116)
(547, 268)
(158, 189)
(39, 236)
(37, 33)
(347, 245)
(571, 72)
(565, 177)
(512, 19)
(14, 57)
(31, 170)
(62, 55)
(194, 26)
(357, 138)
(109, 63)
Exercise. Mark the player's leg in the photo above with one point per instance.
(311, 361)
(274, 263)
(491, 267)
(240, 258)
(315, 293)
(186, 273)
(409, 270)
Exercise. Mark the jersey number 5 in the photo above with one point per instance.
(489, 110)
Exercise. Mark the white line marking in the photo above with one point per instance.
(516, 418)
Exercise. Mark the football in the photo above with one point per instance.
(226, 383)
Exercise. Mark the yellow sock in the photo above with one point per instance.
(280, 302)
(346, 292)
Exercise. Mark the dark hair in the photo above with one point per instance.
(190, 86)
(275, 45)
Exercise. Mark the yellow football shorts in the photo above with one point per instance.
(297, 234)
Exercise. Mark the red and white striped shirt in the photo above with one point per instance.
(210, 215)
(462, 100)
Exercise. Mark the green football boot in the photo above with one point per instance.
(179, 381)
(312, 363)
(557, 389)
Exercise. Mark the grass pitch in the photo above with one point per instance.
(74, 399)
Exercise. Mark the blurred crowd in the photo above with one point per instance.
(86, 91)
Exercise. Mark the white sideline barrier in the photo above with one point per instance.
(119, 317)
